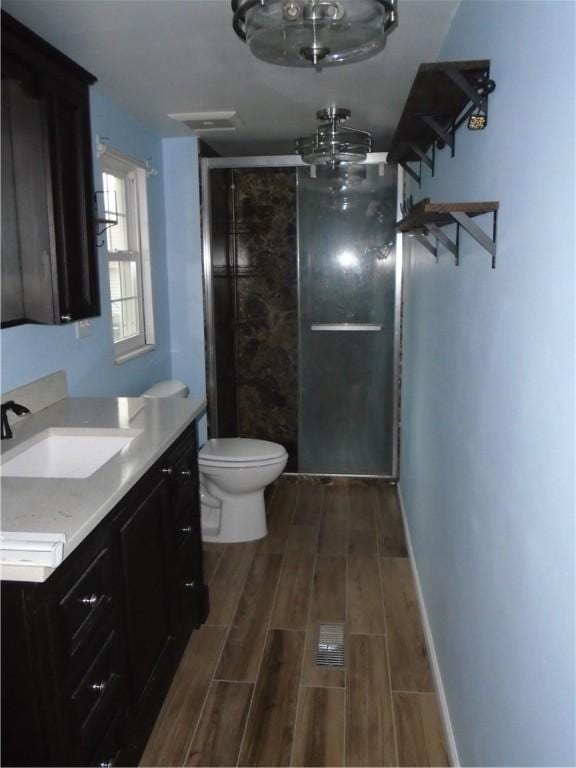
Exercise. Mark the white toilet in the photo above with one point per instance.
(234, 471)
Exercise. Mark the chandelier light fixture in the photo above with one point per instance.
(317, 33)
(334, 144)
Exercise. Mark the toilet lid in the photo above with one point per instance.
(241, 449)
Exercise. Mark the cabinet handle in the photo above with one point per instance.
(186, 473)
(91, 600)
(66, 318)
(167, 471)
(99, 686)
(190, 584)
(106, 763)
(186, 530)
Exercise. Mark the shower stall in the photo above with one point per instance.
(303, 286)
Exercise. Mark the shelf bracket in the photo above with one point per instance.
(423, 240)
(448, 243)
(102, 223)
(411, 172)
(488, 243)
(468, 90)
(444, 136)
(429, 161)
(477, 95)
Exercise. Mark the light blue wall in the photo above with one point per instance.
(31, 351)
(488, 401)
(184, 264)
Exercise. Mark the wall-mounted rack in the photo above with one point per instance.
(425, 221)
(444, 95)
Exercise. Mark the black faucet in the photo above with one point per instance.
(18, 409)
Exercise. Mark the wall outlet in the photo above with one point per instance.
(83, 329)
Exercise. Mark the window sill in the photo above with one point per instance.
(124, 358)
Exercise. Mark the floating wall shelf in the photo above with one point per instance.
(443, 96)
(425, 221)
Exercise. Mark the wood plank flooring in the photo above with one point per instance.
(249, 692)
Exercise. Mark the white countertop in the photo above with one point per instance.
(72, 508)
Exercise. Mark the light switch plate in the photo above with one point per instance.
(83, 329)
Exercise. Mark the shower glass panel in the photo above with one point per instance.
(347, 320)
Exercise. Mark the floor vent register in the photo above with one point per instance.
(330, 645)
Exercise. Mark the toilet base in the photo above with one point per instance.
(242, 518)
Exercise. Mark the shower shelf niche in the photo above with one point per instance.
(425, 221)
(444, 95)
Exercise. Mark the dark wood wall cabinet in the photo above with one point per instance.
(89, 654)
(49, 261)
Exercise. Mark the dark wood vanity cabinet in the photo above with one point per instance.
(89, 654)
(49, 261)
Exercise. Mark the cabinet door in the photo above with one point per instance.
(71, 162)
(12, 295)
(27, 232)
(25, 741)
(50, 267)
(146, 588)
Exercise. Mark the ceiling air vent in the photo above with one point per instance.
(208, 122)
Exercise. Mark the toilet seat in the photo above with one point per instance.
(237, 465)
(240, 452)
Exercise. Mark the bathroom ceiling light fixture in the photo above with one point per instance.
(334, 144)
(317, 33)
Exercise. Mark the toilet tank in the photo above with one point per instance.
(167, 388)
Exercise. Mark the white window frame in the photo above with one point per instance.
(138, 231)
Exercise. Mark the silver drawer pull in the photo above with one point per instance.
(106, 764)
(186, 529)
(91, 600)
(186, 473)
(167, 471)
(190, 584)
(346, 327)
(99, 686)
(66, 318)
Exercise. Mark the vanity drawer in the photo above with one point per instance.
(98, 696)
(109, 750)
(189, 583)
(98, 680)
(87, 602)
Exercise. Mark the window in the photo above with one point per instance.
(125, 200)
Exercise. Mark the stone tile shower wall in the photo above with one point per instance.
(267, 306)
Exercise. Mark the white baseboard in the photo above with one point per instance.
(444, 711)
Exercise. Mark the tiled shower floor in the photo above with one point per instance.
(248, 691)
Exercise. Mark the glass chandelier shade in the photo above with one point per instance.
(334, 144)
(318, 33)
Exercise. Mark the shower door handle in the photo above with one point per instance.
(362, 327)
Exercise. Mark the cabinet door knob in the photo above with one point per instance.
(66, 318)
(167, 471)
(89, 599)
(186, 529)
(186, 473)
(99, 686)
(190, 584)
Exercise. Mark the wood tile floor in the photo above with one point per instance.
(248, 691)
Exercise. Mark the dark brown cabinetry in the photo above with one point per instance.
(49, 262)
(88, 655)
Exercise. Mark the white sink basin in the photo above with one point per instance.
(63, 452)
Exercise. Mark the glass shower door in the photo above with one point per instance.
(348, 320)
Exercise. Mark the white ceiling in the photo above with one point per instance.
(156, 57)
